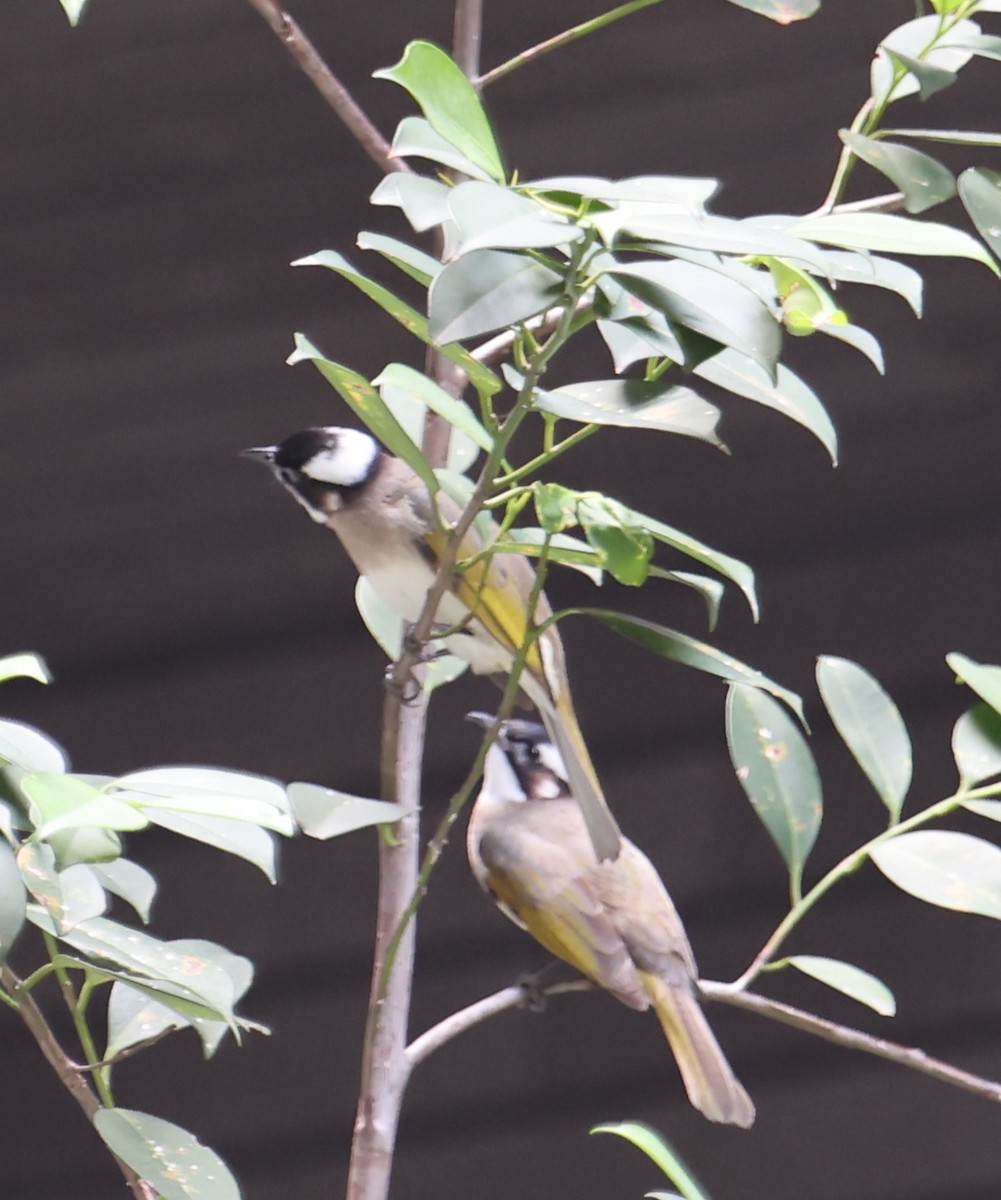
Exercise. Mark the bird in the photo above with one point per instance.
(614, 921)
(385, 518)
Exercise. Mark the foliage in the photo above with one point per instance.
(691, 308)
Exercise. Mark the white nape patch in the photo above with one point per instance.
(500, 783)
(551, 758)
(348, 463)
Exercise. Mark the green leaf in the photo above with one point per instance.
(239, 838)
(681, 191)
(409, 259)
(28, 748)
(68, 897)
(924, 181)
(209, 792)
(625, 547)
(481, 377)
(708, 303)
(13, 901)
(456, 412)
(681, 648)
(984, 680)
(385, 625)
(128, 880)
(976, 745)
(567, 551)
(951, 870)
(962, 137)
(73, 9)
(981, 44)
(878, 272)
(169, 1158)
(984, 808)
(871, 727)
(907, 48)
(922, 77)
(59, 802)
(851, 981)
(449, 101)
(325, 813)
(782, 11)
(671, 231)
(635, 404)
(490, 217)
(135, 1017)
(897, 235)
(660, 1151)
(787, 394)
(198, 968)
(555, 506)
(487, 290)
(407, 407)
(731, 568)
(424, 202)
(776, 769)
(980, 191)
(24, 666)
(711, 590)
(84, 844)
(416, 138)
(367, 404)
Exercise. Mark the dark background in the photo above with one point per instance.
(161, 166)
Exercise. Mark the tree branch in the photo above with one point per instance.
(853, 1039)
(337, 96)
(66, 1071)
(516, 996)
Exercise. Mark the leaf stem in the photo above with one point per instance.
(562, 39)
(848, 866)
(547, 456)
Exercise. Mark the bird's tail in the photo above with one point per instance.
(560, 721)
(709, 1080)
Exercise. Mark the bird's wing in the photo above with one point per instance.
(561, 910)
(643, 913)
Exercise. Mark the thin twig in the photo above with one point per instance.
(337, 96)
(891, 202)
(452, 1026)
(66, 1070)
(853, 1039)
(562, 39)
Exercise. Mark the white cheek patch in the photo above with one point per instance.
(552, 760)
(347, 464)
(499, 779)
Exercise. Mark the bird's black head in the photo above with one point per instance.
(322, 466)
(530, 754)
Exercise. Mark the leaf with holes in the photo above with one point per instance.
(169, 1158)
(776, 769)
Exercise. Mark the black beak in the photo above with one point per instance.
(264, 454)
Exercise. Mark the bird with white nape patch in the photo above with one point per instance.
(613, 921)
(382, 513)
